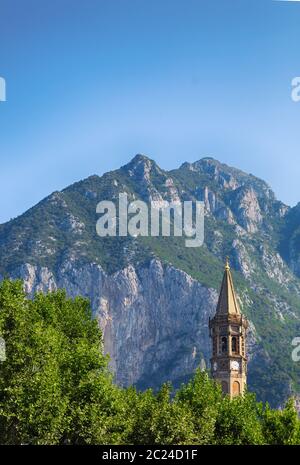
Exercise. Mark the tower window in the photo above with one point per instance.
(224, 345)
(236, 389)
(224, 385)
(234, 345)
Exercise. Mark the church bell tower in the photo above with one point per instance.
(228, 333)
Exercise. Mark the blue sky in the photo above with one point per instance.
(90, 83)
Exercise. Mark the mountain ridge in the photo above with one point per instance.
(54, 244)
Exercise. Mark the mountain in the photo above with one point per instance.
(153, 296)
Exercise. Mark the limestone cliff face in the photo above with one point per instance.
(291, 239)
(247, 209)
(154, 318)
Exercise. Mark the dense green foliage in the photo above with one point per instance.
(54, 385)
(55, 388)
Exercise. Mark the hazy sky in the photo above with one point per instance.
(90, 83)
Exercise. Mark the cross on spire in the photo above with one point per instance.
(227, 263)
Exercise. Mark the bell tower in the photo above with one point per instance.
(228, 333)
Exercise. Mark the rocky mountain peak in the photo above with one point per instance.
(228, 178)
(141, 167)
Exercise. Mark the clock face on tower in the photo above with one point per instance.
(234, 365)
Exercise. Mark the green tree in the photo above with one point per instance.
(281, 426)
(238, 421)
(54, 386)
(203, 397)
(156, 419)
(172, 421)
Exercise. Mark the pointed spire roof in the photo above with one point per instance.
(227, 303)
